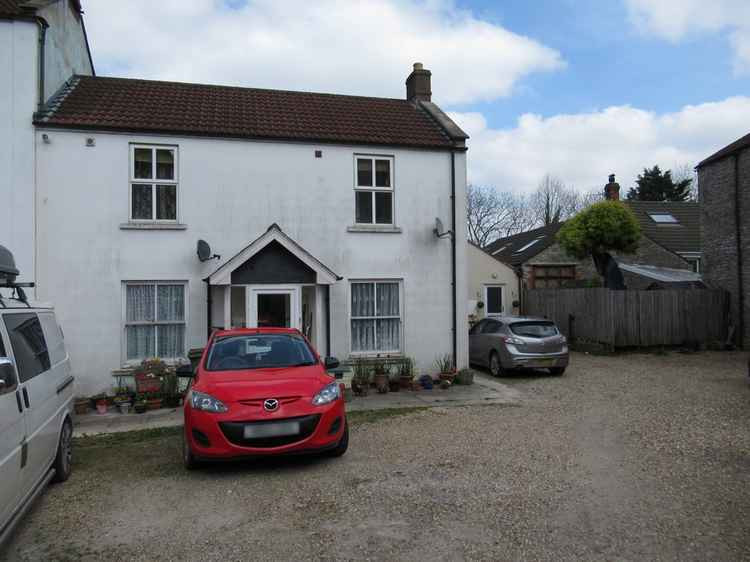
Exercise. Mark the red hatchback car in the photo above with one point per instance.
(262, 392)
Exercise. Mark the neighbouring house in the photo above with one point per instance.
(670, 238)
(724, 180)
(493, 285)
(42, 43)
(163, 210)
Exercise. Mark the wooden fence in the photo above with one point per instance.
(634, 318)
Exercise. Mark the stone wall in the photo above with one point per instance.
(719, 231)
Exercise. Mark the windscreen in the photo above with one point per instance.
(259, 351)
(534, 329)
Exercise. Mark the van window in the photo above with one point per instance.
(29, 346)
(53, 337)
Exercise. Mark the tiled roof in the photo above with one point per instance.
(197, 109)
(737, 145)
(682, 236)
(519, 248)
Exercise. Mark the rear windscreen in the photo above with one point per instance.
(534, 329)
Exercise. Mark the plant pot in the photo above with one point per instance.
(405, 382)
(124, 407)
(447, 376)
(153, 403)
(394, 385)
(101, 406)
(140, 407)
(81, 407)
(415, 386)
(360, 388)
(381, 383)
(445, 384)
(465, 377)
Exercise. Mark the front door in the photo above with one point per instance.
(274, 308)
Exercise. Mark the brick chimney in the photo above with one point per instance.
(612, 189)
(418, 86)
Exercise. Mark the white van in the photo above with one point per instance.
(36, 400)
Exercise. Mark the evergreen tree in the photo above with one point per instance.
(655, 185)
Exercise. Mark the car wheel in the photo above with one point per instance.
(63, 460)
(557, 371)
(343, 444)
(496, 368)
(188, 459)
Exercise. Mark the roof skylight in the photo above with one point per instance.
(663, 218)
(529, 245)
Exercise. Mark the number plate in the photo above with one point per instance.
(546, 362)
(271, 430)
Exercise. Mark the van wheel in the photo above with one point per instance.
(63, 460)
(496, 368)
(188, 459)
(343, 445)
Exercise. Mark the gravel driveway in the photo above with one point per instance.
(628, 457)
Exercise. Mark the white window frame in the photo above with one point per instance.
(132, 180)
(487, 313)
(156, 322)
(374, 189)
(400, 317)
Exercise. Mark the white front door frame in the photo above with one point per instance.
(487, 300)
(295, 302)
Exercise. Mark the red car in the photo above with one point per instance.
(262, 392)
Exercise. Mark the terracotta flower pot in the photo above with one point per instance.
(81, 407)
(101, 406)
(153, 404)
(381, 383)
(405, 382)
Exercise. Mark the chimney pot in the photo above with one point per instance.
(418, 84)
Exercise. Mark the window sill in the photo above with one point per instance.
(152, 226)
(387, 229)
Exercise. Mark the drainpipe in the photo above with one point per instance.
(328, 320)
(43, 25)
(453, 257)
(738, 237)
(209, 307)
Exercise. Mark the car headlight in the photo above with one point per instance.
(329, 393)
(206, 402)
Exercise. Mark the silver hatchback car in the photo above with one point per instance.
(505, 343)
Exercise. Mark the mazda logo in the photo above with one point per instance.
(271, 404)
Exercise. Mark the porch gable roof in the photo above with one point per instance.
(223, 275)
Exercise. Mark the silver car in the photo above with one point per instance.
(504, 343)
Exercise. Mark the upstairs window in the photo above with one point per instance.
(373, 190)
(153, 183)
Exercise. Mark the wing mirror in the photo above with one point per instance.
(331, 363)
(185, 371)
(7, 374)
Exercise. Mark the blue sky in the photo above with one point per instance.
(574, 88)
(609, 61)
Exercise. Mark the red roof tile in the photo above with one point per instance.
(181, 108)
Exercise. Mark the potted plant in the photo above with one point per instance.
(81, 405)
(100, 402)
(360, 377)
(170, 390)
(380, 375)
(153, 400)
(140, 405)
(446, 367)
(406, 373)
(464, 377)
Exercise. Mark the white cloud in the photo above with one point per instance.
(675, 19)
(363, 47)
(583, 149)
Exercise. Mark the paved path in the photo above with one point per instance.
(484, 391)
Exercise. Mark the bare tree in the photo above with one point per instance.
(687, 172)
(553, 202)
(491, 214)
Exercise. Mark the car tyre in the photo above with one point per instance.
(64, 458)
(557, 371)
(496, 368)
(343, 444)
(188, 458)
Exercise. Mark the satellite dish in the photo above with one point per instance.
(439, 229)
(204, 251)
